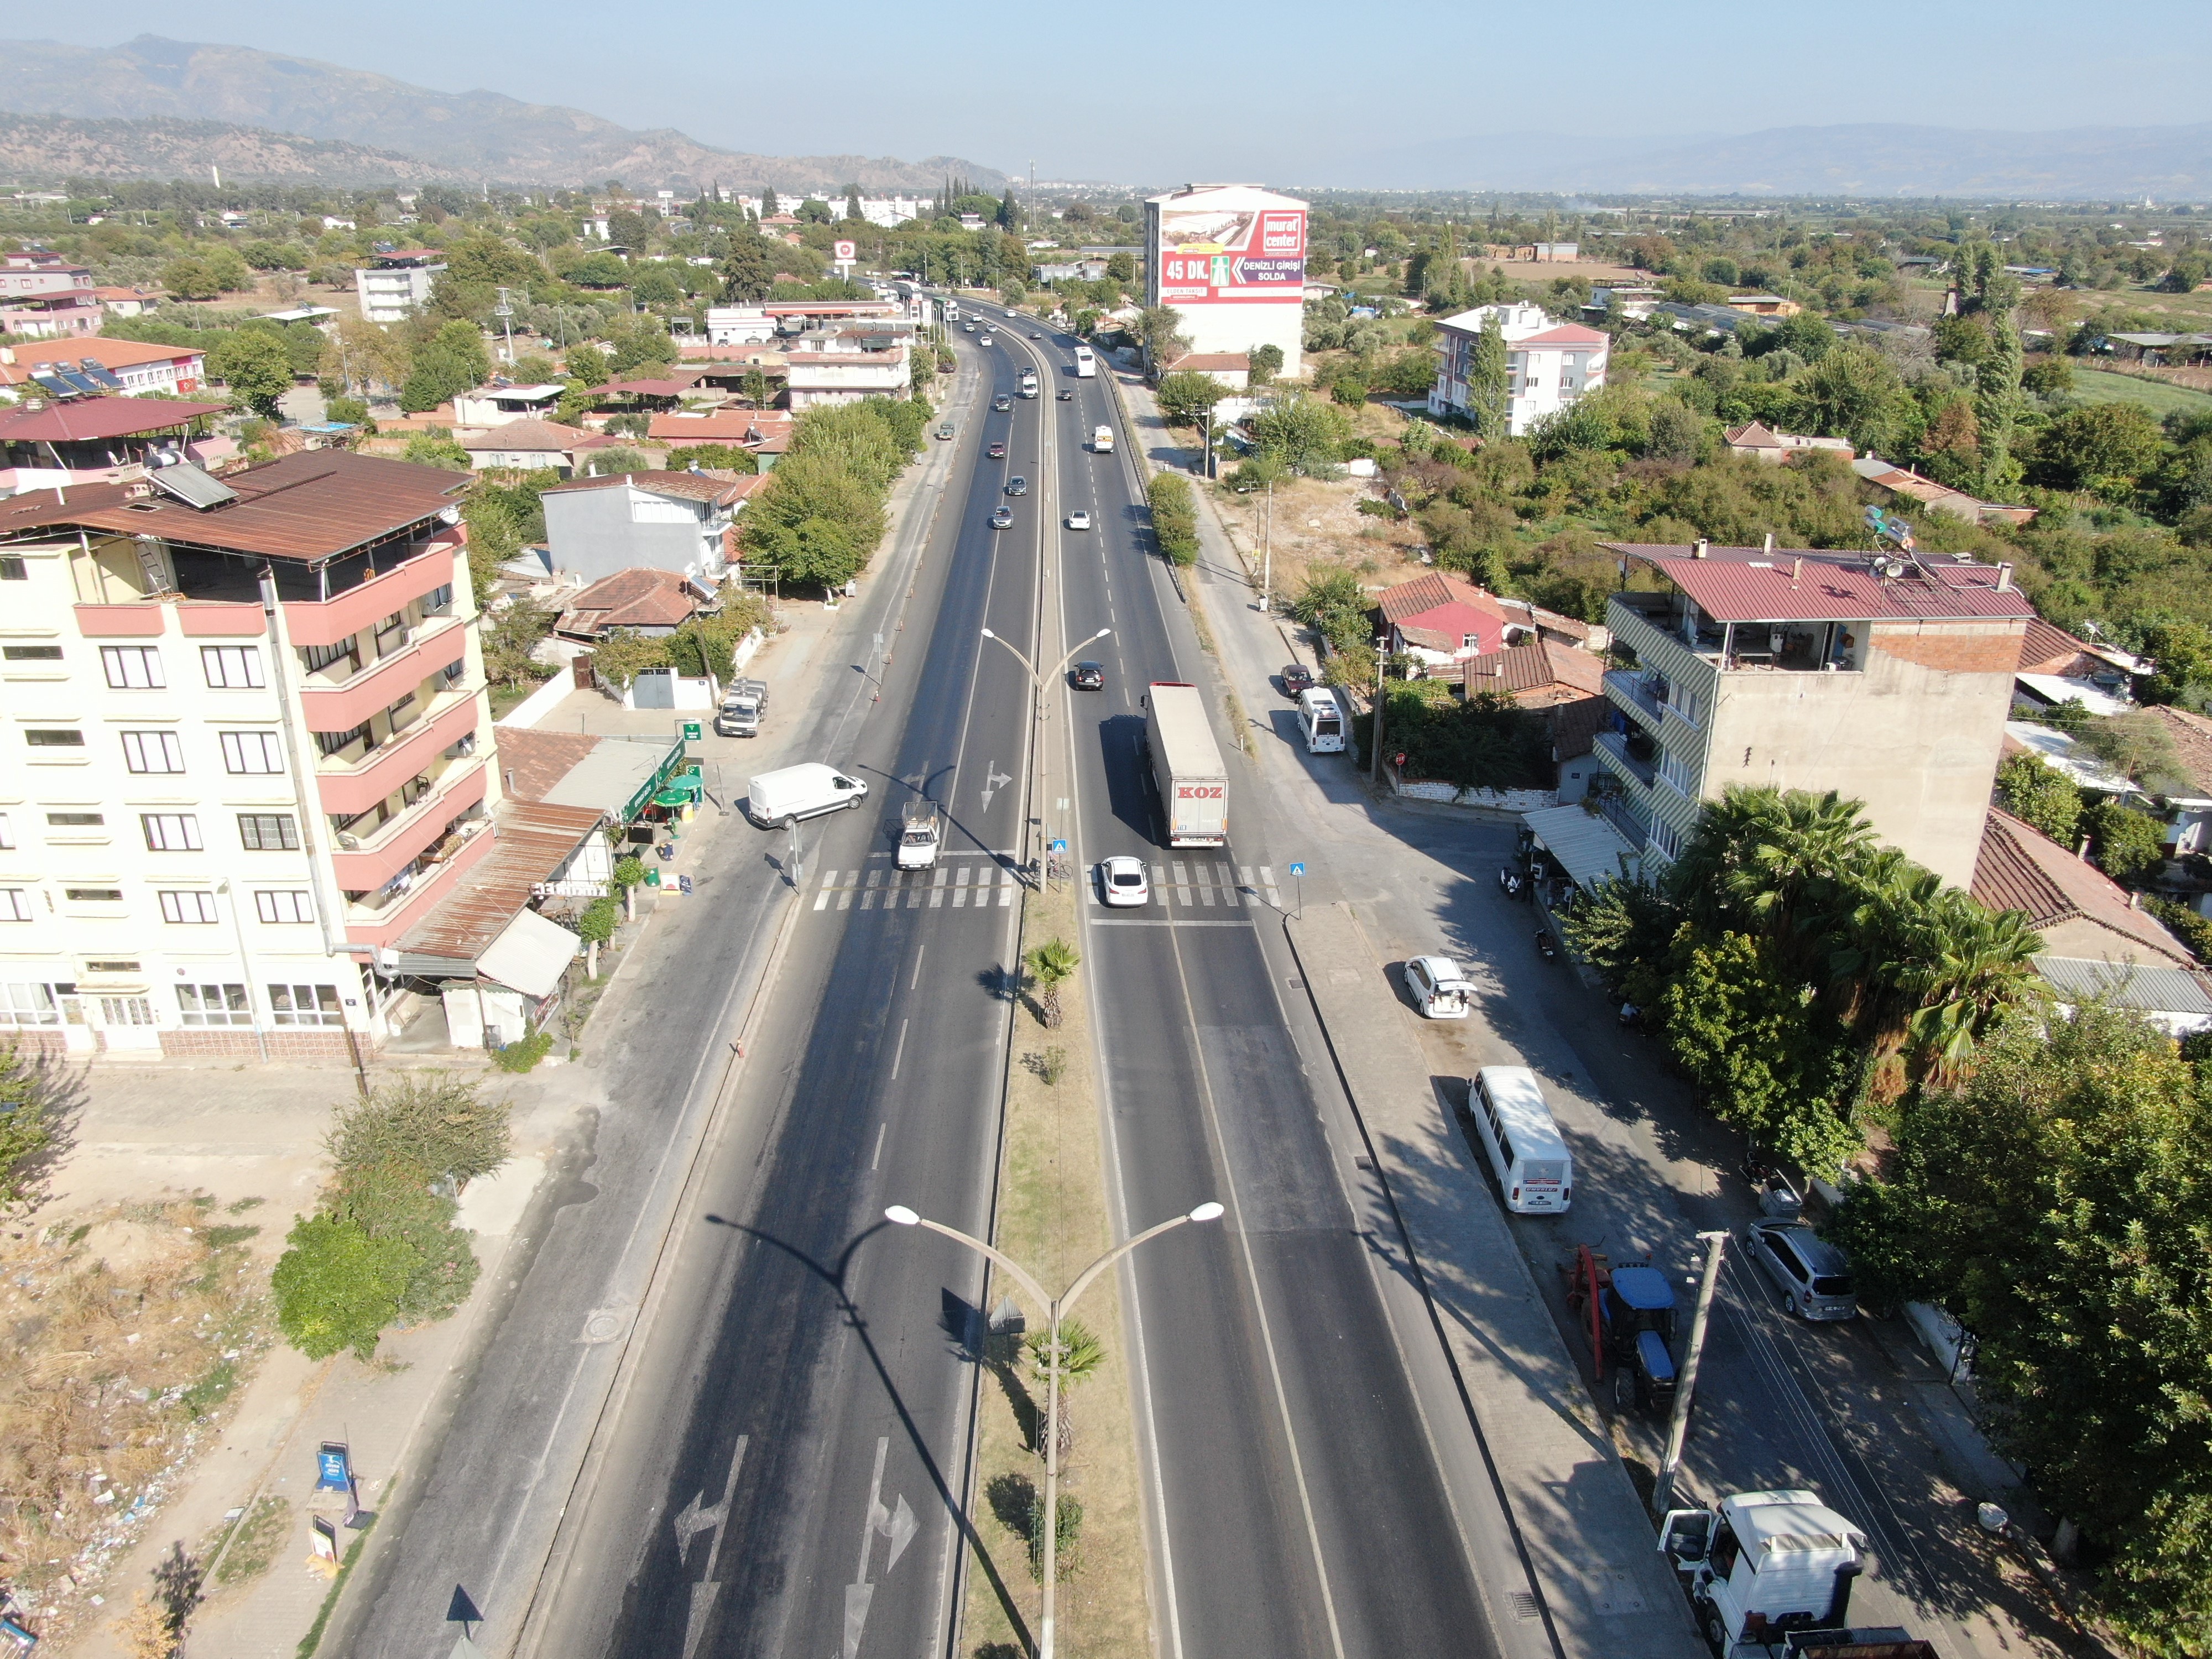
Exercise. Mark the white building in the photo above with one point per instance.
(1231, 258)
(394, 286)
(840, 370)
(488, 406)
(739, 326)
(1548, 365)
(244, 749)
(891, 211)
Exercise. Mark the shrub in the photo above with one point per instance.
(433, 1124)
(25, 1130)
(337, 1287)
(522, 1055)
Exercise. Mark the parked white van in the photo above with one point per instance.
(793, 793)
(1321, 716)
(1530, 1161)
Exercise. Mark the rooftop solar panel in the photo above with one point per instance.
(193, 487)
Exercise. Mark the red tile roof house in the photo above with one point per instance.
(650, 602)
(1439, 620)
(533, 447)
(141, 368)
(684, 522)
(2080, 912)
(1566, 685)
(103, 439)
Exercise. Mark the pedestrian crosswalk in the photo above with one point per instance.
(962, 887)
(1205, 884)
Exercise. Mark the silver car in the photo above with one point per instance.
(1813, 1276)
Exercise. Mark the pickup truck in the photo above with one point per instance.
(921, 833)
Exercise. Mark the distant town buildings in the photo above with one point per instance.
(393, 286)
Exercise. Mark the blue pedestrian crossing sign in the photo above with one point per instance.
(1297, 869)
(1057, 847)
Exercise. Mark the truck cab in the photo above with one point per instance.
(921, 834)
(1764, 1568)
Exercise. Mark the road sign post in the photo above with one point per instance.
(1299, 875)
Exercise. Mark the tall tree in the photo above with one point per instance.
(1488, 371)
(748, 268)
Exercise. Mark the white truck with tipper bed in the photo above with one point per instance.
(743, 705)
(805, 791)
(1186, 765)
(1769, 1575)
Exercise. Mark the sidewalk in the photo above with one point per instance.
(1586, 1532)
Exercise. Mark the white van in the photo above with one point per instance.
(793, 793)
(1531, 1162)
(1322, 717)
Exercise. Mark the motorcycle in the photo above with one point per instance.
(1547, 945)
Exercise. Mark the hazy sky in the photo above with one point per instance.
(1150, 92)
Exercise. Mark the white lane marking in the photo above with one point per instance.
(1007, 886)
(898, 1055)
(691, 1520)
(844, 898)
(936, 887)
(881, 1128)
(1132, 921)
(822, 898)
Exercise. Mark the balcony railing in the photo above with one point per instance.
(1633, 689)
(335, 704)
(348, 787)
(1634, 826)
(1616, 745)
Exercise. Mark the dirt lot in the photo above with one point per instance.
(1321, 523)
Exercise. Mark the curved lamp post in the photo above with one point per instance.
(1039, 708)
(1055, 1309)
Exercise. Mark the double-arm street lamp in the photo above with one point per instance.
(1038, 705)
(1056, 1309)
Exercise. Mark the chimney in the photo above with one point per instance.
(2004, 578)
(1796, 569)
(2082, 851)
(1698, 551)
(1770, 544)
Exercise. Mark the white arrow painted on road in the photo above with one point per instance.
(899, 1526)
(692, 1520)
(992, 778)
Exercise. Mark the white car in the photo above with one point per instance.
(1078, 521)
(1123, 881)
(1439, 990)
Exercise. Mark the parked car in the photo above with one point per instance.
(1089, 677)
(997, 452)
(1122, 882)
(944, 430)
(1017, 485)
(1002, 402)
(1079, 520)
(1813, 1276)
(1002, 519)
(1439, 990)
(1297, 679)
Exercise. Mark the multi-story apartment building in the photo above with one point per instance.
(1548, 365)
(44, 297)
(1887, 679)
(244, 748)
(393, 287)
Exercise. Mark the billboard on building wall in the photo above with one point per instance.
(1222, 255)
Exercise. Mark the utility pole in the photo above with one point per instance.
(1381, 684)
(504, 312)
(1267, 551)
(1678, 1429)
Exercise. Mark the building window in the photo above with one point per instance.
(439, 601)
(320, 657)
(214, 1004)
(15, 904)
(268, 832)
(330, 741)
(75, 820)
(127, 1010)
(111, 966)
(1665, 839)
(94, 895)
(397, 712)
(453, 671)
(184, 904)
(1676, 773)
(232, 667)
(257, 753)
(391, 633)
(13, 569)
(7, 835)
(133, 667)
(292, 904)
(305, 1005)
(53, 737)
(30, 1005)
(171, 832)
(31, 653)
(153, 751)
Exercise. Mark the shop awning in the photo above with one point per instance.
(1588, 848)
(531, 955)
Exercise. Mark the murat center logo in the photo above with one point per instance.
(1282, 233)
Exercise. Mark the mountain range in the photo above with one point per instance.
(1867, 159)
(157, 108)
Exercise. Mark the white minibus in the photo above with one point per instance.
(1322, 717)
(1534, 1169)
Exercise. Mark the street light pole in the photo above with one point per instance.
(1678, 1429)
(1056, 1309)
(1040, 709)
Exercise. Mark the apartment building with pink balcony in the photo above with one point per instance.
(244, 748)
